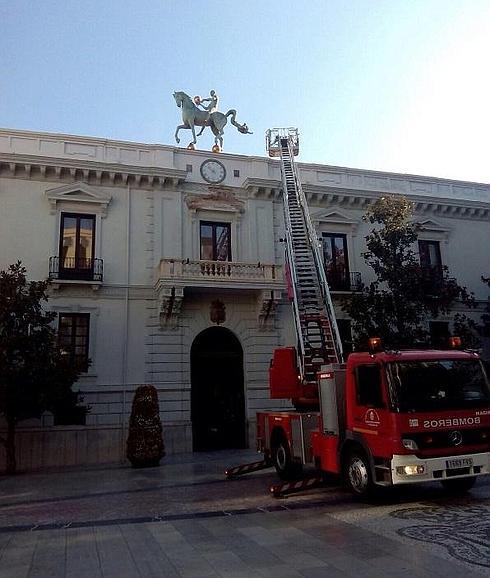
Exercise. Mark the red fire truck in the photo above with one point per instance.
(382, 418)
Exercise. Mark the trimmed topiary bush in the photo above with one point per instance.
(145, 446)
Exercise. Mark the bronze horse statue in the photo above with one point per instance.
(192, 116)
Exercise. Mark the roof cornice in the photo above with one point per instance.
(92, 172)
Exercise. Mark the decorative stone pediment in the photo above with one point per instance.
(78, 193)
(323, 220)
(218, 199)
(432, 229)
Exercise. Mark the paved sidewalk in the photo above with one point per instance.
(185, 519)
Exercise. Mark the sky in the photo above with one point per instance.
(393, 85)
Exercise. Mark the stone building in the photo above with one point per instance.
(167, 268)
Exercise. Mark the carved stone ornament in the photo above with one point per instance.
(267, 303)
(170, 302)
(217, 312)
(218, 199)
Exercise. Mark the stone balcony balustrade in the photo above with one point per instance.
(229, 274)
(175, 275)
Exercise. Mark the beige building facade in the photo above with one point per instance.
(167, 267)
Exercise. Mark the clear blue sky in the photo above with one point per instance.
(396, 85)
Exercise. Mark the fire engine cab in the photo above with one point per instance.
(382, 418)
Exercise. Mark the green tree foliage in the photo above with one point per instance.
(35, 375)
(145, 446)
(404, 296)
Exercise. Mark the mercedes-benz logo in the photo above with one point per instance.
(456, 438)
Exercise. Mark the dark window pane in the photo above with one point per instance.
(345, 331)
(215, 241)
(69, 241)
(222, 243)
(439, 334)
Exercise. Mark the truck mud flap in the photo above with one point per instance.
(279, 490)
(247, 468)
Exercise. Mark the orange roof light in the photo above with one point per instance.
(374, 344)
(455, 342)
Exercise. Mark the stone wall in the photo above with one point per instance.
(39, 448)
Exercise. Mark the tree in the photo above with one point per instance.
(145, 447)
(404, 296)
(35, 374)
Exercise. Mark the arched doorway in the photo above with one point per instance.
(217, 396)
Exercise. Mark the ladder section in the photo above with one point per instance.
(319, 341)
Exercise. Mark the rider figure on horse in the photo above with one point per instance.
(213, 103)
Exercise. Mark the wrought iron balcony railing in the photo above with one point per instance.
(339, 280)
(73, 269)
(432, 278)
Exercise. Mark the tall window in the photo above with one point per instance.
(431, 264)
(215, 241)
(336, 261)
(430, 254)
(77, 240)
(73, 335)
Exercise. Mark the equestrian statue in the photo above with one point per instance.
(208, 115)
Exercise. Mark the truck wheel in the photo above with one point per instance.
(357, 474)
(459, 485)
(281, 456)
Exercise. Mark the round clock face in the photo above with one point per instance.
(213, 171)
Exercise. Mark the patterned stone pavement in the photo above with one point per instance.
(185, 519)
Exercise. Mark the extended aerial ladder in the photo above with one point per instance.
(319, 341)
(317, 333)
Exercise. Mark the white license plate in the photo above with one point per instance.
(459, 463)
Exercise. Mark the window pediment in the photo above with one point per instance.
(340, 220)
(78, 193)
(431, 229)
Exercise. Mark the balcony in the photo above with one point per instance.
(71, 270)
(221, 274)
(175, 275)
(341, 280)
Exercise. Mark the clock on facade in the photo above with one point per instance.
(213, 171)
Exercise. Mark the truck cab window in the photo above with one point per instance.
(368, 386)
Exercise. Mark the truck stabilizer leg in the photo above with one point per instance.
(278, 490)
(247, 468)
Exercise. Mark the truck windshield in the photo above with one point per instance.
(428, 385)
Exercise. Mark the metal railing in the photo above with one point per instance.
(340, 280)
(73, 269)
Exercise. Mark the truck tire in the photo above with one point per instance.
(459, 485)
(357, 473)
(281, 457)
